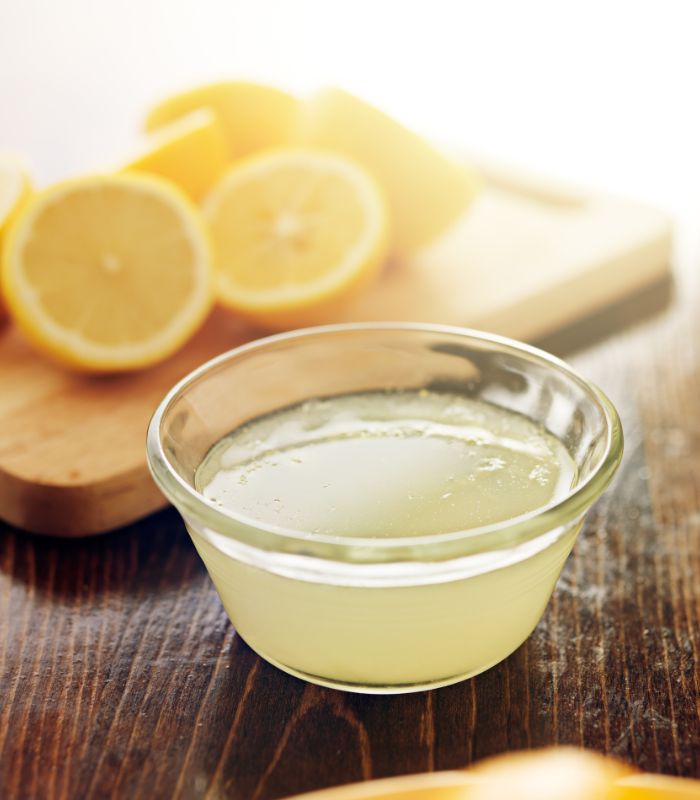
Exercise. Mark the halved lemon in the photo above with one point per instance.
(294, 231)
(191, 152)
(427, 191)
(254, 116)
(108, 272)
(15, 188)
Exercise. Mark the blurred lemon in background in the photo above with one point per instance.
(426, 191)
(15, 188)
(108, 272)
(254, 116)
(113, 272)
(293, 232)
(192, 152)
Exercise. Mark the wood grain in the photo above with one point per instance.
(121, 676)
(72, 456)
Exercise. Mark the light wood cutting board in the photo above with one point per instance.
(530, 256)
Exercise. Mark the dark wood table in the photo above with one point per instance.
(121, 676)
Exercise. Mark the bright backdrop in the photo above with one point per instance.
(605, 93)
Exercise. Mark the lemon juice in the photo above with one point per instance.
(375, 467)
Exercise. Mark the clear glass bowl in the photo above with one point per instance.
(376, 614)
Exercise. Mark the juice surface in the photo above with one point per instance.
(386, 464)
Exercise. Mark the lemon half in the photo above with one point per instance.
(108, 272)
(293, 232)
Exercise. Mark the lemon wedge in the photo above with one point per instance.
(294, 231)
(426, 191)
(191, 152)
(108, 272)
(254, 116)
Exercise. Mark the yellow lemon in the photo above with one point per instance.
(557, 773)
(108, 272)
(254, 116)
(191, 152)
(15, 188)
(294, 231)
(426, 190)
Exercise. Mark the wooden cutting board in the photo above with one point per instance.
(530, 256)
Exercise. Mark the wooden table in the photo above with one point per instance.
(121, 676)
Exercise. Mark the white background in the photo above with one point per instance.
(605, 93)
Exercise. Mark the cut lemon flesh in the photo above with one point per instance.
(426, 191)
(192, 152)
(293, 232)
(254, 116)
(108, 272)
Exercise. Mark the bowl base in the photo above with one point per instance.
(367, 688)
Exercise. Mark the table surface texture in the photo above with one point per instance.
(122, 677)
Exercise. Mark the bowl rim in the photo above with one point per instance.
(560, 513)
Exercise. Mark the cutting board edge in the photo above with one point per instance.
(650, 267)
(78, 510)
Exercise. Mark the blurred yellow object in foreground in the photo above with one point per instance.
(557, 773)
(293, 231)
(192, 152)
(425, 189)
(655, 787)
(15, 188)
(108, 272)
(561, 773)
(254, 116)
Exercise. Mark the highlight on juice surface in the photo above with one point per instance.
(393, 485)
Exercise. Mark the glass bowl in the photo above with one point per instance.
(383, 615)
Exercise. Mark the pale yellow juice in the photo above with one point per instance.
(386, 465)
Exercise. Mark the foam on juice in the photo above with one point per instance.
(386, 464)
